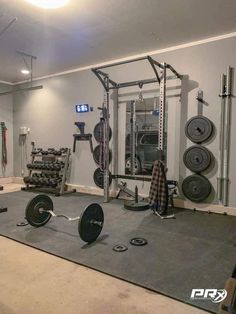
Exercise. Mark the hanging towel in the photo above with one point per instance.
(158, 194)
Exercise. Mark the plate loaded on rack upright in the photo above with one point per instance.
(99, 154)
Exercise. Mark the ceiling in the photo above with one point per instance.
(92, 31)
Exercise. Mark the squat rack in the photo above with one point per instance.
(109, 85)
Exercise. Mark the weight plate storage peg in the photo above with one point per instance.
(199, 129)
(197, 158)
(98, 178)
(36, 211)
(196, 188)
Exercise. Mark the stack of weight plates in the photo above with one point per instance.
(197, 158)
(98, 154)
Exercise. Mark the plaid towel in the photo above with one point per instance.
(158, 194)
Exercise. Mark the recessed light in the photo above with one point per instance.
(25, 72)
(48, 4)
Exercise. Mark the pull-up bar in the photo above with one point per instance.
(154, 64)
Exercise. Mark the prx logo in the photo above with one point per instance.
(215, 295)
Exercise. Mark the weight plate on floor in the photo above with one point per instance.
(98, 132)
(196, 188)
(199, 129)
(98, 155)
(98, 178)
(138, 241)
(119, 248)
(197, 158)
(91, 223)
(34, 213)
(131, 205)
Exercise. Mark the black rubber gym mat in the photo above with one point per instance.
(196, 250)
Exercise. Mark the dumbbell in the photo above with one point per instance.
(51, 150)
(53, 183)
(36, 181)
(61, 163)
(38, 166)
(57, 153)
(36, 151)
(63, 150)
(32, 180)
(56, 166)
(26, 180)
(44, 152)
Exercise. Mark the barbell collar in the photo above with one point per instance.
(95, 222)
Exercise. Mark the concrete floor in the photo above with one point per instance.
(34, 282)
(11, 187)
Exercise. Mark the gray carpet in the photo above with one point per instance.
(196, 250)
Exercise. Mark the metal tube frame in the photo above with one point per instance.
(25, 89)
(112, 84)
(106, 139)
(132, 136)
(162, 109)
(221, 138)
(228, 95)
(22, 90)
(109, 84)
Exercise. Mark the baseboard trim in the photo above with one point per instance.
(213, 208)
(6, 180)
(18, 180)
(90, 190)
(86, 189)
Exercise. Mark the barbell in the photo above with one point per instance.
(39, 211)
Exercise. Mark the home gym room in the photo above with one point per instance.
(117, 174)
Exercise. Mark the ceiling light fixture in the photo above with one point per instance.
(48, 4)
(25, 72)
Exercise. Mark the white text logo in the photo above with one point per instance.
(215, 295)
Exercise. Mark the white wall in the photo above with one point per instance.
(6, 115)
(50, 112)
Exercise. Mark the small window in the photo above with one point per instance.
(150, 139)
